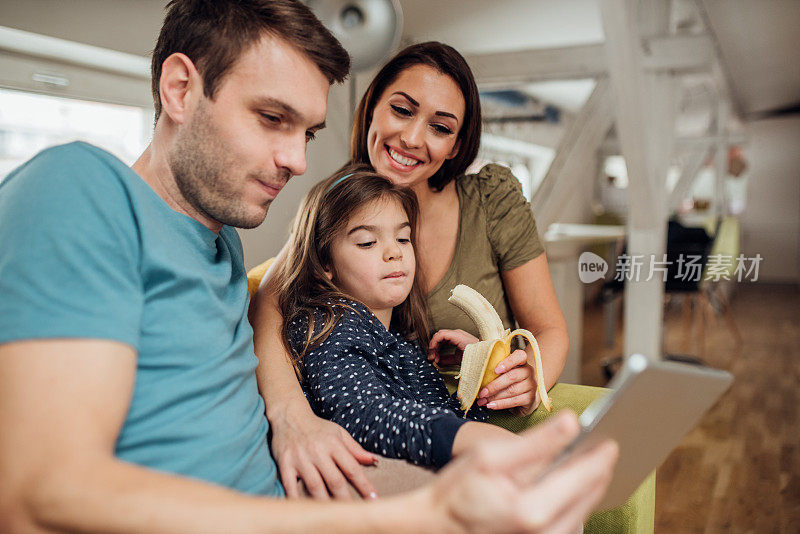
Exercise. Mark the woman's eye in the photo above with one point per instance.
(442, 129)
(404, 240)
(310, 136)
(401, 110)
(366, 244)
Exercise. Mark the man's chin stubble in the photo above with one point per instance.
(250, 223)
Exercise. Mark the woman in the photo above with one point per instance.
(419, 125)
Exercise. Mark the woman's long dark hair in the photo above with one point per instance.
(301, 281)
(446, 60)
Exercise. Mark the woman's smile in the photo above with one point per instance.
(403, 160)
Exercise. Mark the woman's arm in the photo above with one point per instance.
(533, 302)
(535, 306)
(319, 452)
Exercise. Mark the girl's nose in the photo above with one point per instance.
(392, 252)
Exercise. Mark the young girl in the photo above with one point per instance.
(355, 322)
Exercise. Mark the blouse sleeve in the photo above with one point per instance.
(510, 222)
(345, 386)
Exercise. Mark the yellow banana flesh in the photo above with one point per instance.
(480, 359)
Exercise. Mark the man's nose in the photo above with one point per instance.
(292, 155)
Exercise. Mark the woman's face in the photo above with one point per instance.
(415, 125)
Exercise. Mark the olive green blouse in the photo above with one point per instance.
(496, 232)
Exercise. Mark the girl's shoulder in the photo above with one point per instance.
(354, 324)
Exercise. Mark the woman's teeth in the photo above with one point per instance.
(402, 160)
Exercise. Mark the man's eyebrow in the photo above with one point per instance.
(286, 109)
(414, 102)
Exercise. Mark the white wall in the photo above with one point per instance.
(771, 221)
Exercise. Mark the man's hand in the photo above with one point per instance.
(321, 454)
(498, 486)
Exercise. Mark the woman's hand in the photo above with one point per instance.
(514, 389)
(321, 454)
(458, 338)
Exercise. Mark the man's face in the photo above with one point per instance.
(234, 154)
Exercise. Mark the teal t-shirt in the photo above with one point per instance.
(89, 250)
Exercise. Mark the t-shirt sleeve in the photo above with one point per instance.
(345, 386)
(510, 222)
(69, 266)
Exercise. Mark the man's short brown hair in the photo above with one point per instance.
(215, 33)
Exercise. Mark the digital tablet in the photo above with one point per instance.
(652, 405)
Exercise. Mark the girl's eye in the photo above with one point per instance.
(310, 136)
(400, 110)
(366, 244)
(442, 129)
(404, 240)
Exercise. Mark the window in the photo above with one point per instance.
(30, 122)
(528, 162)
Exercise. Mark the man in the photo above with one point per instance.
(128, 400)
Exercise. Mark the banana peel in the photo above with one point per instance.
(480, 359)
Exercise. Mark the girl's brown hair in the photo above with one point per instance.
(301, 282)
(446, 60)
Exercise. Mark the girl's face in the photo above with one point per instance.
(415, 125)
(373, 259)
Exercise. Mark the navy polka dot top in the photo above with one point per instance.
(380, 387)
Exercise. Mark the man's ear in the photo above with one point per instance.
(180, 87)
(454, 152)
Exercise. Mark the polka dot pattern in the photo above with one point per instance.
(379, 386)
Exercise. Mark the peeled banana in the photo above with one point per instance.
(481, 358)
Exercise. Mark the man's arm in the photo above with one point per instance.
(64, 401)
(62, 405)
(319, 452)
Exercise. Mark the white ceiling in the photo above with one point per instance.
(757, 39)
(473, 26)
(126, 25)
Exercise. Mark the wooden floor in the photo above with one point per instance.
(739, 470)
